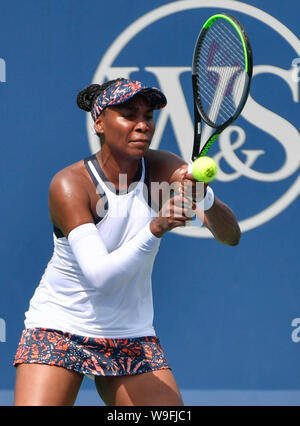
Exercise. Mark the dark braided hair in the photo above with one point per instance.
(87, 97)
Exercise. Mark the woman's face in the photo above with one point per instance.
(127, 128)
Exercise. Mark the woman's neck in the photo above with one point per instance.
(113, 167)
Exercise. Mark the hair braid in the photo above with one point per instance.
(86, 97)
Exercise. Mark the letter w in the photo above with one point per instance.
(176, 109)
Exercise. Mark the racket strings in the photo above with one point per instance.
(232, 41)
(236, 51)
(220, 62)
(226, 78)
(235, 54)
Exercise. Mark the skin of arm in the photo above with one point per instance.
(69, 200)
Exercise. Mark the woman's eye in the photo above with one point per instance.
(132, 116)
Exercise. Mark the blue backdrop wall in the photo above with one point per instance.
(227, 317)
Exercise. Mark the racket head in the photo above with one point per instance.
(221, 73)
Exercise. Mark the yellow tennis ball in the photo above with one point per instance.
(204, 169)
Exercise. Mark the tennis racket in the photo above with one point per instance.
(221, 77)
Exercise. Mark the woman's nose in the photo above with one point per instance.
(142, 125)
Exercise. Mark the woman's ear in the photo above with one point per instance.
(98, 126)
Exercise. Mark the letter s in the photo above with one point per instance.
(276, 126)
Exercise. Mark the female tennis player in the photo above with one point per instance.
(92, 312)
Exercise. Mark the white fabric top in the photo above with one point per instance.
(70, 301)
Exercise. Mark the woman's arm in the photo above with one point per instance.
(222, 223)
(219, 219)
(107, 272)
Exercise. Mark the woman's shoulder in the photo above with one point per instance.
(72, 174)
(160, 155)
(163, 164)
(70, 183)
(69, 197)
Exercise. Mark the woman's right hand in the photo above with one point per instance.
(175, 212)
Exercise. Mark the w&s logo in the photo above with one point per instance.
(259, 155)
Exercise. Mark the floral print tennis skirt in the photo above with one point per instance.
(90, 356)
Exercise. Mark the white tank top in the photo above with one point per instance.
(64, 300)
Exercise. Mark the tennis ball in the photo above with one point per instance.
(204, 169)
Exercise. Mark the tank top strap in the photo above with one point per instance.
(92, 161)
(147, 183)
(102, 183)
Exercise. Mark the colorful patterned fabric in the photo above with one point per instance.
(121, 91)
(90, 356)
